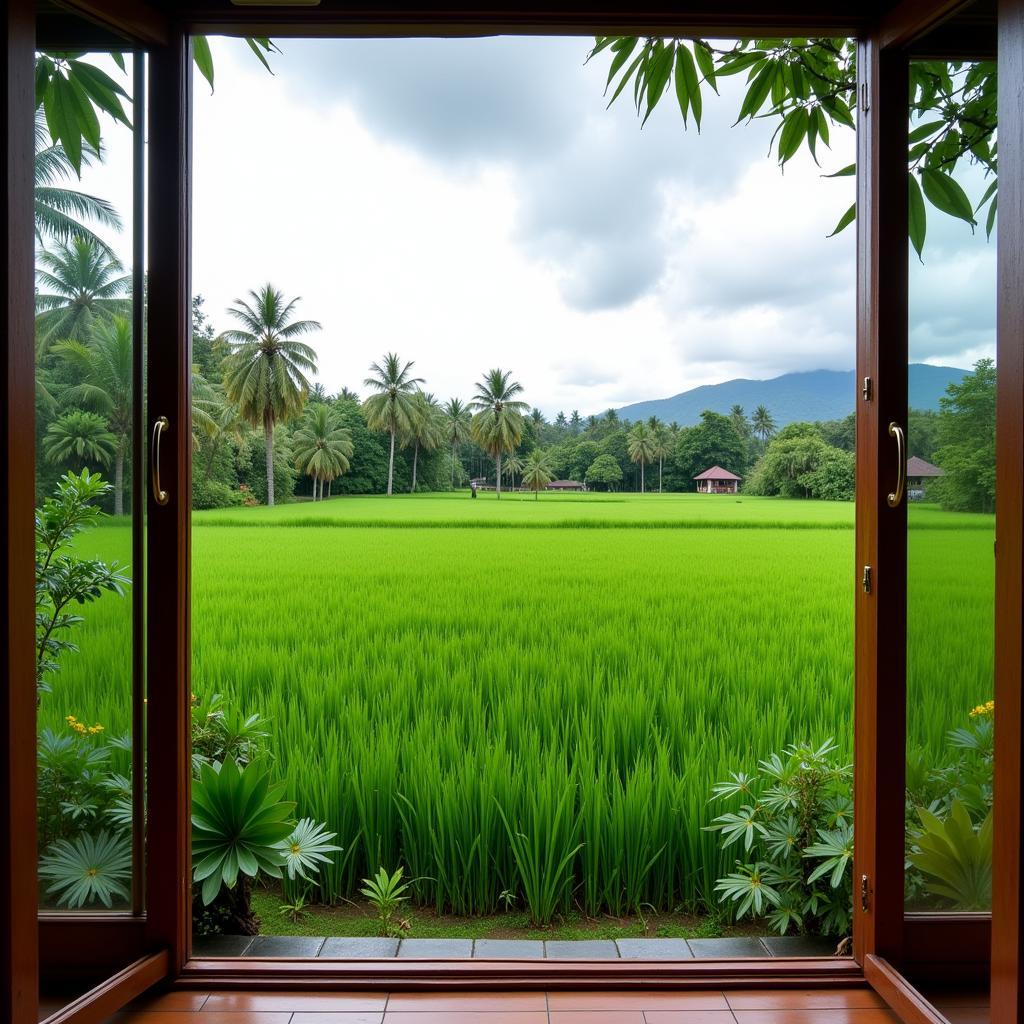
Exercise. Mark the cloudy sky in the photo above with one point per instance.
(472, 203)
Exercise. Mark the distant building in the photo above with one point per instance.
(565, 485)
(718, 481)
(919, 475)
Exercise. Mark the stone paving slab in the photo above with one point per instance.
(221, 945)
(654, 949)
(437, 949)
(359, 948)
(285, 945)
(742, 946)
(584, 949)
(799, 945)
(509, 949)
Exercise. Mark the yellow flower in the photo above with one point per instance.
(983, 710)
(93, 729)
(70, 719)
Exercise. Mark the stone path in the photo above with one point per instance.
(510, 949)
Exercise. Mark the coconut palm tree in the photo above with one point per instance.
(82, 435)
(498, 424)
(214, 417)
(762, 423)
(641, 446)
(321, 446)
(60, 212)
(391, 409)
(513, 464)
(425, 430)
(575, 422)
(457, 419)
(561, 423)
(537, 472)
(79, 284)
(265, 374)
(662, 446)
(103, 366)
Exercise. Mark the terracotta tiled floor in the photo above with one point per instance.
(798, 1006)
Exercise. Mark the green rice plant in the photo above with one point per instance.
(544, 843)
(419, 677)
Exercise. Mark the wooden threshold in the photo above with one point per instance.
(405, 975)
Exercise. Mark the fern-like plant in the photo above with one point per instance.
(88, 868)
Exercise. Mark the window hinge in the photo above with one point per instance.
(866, 389)
(865, 580)
(864, 105)
(865, 893)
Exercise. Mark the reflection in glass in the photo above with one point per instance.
(86, 394)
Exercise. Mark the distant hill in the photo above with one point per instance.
(793, 397)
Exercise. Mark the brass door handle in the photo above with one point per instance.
(896, 496)
(160, 496)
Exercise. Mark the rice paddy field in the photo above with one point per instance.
(439, 672)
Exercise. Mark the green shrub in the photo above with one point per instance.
(795, 829)
(214, 494)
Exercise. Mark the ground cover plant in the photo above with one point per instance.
(436, 688)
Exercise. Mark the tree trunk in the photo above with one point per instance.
(391, 462)
(268, 433)
(497, 487)
(453, 465)
(660, 462)
(119, 479)
(415, 459)
(641, 476)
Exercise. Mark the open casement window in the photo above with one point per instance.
(147, 939)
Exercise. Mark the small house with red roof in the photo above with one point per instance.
(718, 481)
(919, 474)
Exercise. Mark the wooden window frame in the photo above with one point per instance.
(883, 933)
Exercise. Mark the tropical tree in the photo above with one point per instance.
(605, 470)
(575, 422)
(498, 424)
(537, 472)
(513, 464)
(641, 445)
(104, 368)
(425, 429)
(763, 424)
(661, 446)
(391, 410)
(81, 436)
(79, 284)
(809, 87)
(59, 211)
(561, 423)
(213, 417)
(457, 419)
(321, 447)
(265, 374)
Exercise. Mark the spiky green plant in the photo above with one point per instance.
(88, 868)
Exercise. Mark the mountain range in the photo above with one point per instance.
(793, 397)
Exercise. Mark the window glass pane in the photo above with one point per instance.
(951, 501)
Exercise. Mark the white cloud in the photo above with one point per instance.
(470, 203)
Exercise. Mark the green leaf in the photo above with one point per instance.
(682, 86)
(259, 44)
(846, 172)
(688, 71)
(626, 77)
(846, 220)
(65, 122)
(658, 72)
(203, 58)
(794, 128)
(923, 131)
(946, 195)
(622, 54)
(758, 92)
(990, 221)
(916, 215)
(706, 63)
